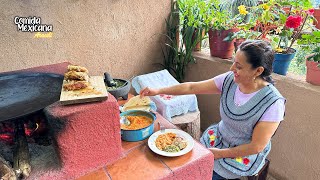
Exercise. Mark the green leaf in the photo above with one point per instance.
(283, 18)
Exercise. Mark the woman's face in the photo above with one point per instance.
(242, 70)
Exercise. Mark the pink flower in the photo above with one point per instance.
(310, 12)
(293, 21)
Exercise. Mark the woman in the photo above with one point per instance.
(251, 109)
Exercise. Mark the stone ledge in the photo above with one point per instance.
(297, 80)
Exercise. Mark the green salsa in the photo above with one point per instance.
(118, 83)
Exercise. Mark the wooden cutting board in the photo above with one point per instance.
(97, 92)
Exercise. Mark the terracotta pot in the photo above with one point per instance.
(218, 47)
(237, 43)
(198, 45)
(313, 73)
(286, 9)
(317, 17)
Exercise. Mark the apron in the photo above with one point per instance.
(236, 128)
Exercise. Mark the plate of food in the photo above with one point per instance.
(170, 142)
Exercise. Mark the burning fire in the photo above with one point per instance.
(7, 132)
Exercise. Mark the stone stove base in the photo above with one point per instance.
(86, 136)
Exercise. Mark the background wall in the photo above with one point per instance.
(295, 146)
(117, 36)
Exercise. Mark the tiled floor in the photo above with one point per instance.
(100, 174)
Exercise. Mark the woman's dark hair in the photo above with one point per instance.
(259, 53)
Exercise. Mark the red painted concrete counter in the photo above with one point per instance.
(139, 162)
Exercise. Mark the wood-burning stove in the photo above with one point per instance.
(15, 137)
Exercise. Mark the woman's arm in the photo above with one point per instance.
(201, 87)
(262, 134)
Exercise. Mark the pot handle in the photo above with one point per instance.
(153, 114)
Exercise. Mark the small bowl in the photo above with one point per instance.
(121, 91)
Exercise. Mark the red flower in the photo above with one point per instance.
(246, 161)
(211, 143)
(210, 132)
(293, 21)
(310, 12)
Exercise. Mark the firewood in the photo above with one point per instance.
(21, 156)
(6, 172)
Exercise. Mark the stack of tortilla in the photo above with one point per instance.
(138, 103)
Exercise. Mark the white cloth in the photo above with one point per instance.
(167, 106)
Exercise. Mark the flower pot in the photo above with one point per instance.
(198, 45)
(218, 47)
(286, 9)
(313, 73)
(282, 61)
(317, 17)
(237, 43)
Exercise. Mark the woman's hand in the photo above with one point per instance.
(216, 152)
(149, 92)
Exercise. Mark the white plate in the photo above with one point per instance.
(184, 135)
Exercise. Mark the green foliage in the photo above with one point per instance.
(242, 34)
(223, 19)
(194, 13)
(305, 4)
(297, 66)
(311, 42)
(178, 53)
(234, 4)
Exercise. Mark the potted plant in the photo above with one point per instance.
(316, 15)
(234, 4)
(281, 29)
(245, 32)
(220, 27)
(177, 53)
(288, 4)
(193, 13)
(242, 35)
(287, 36)
(312, 41)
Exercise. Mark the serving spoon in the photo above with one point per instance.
(124, 120)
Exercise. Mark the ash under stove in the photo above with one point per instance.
(26, 148)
